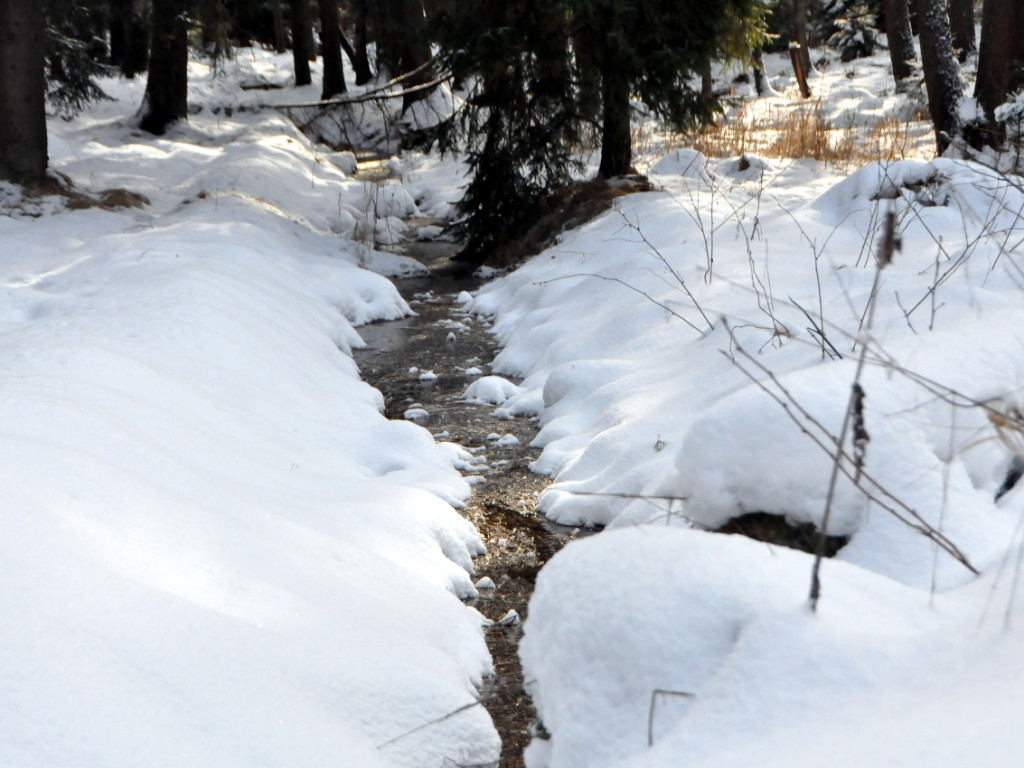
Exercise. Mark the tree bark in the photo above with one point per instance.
(302, 41)
(800, 9)
(361, 61)
(1000, 50)
(22, 92)
(961, 27)
(129, 38)
(941, 71)
(166, 97)
(901, 40)
(616, 139)
(280, 39)
(330, 44)
(761, 86)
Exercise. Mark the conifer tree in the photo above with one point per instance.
(166, 98)
(521, 122)
(22, 92)
(547, 72)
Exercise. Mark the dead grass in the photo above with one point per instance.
(802, 131)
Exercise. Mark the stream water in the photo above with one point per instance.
(422, 365)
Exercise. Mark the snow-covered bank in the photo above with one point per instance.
(638, 337)
(215, 549)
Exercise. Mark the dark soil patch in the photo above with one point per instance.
(446, 342)
(775, 529)
(567, 208)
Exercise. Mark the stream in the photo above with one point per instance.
(422, 365)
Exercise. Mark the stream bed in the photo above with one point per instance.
(422, 365)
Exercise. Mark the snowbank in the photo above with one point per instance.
(690, 354)
(215, 549)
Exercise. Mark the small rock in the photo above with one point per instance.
(486, 583)
(428, 376)
(416, 414)
(510, 619)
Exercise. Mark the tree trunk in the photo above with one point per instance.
(961, 27)
(800, 8)
(302, 41)
(402, 44)
(330, 44)
(1000, 50)
(387, 56)
(361, 61)
(616, 139)
(941, 71)
(280, 39)
(129, 38)
(901, 40)
(166, 97)
(761, 85)
(22, 92)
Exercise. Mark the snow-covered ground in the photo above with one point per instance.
(690, 355)
(216, 551)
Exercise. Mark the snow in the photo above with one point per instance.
(216, 550)
(490, 389)
(690, 356)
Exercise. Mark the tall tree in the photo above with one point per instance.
(129, 37)
(1001, 50)
(302, 41)
(277, 15)
(901, 40)
(799, 34)
(653, 49)
(361, 58)
(402, 43)
(961, 27)
(520, 122)
(330, 50)
(550, 70)
(22, 92)
(941, 71)
(166, 99)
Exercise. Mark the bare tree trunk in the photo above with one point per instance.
(1000, 50)
(361, 62)
(761, 86)
(22, 92)
(280, 39)
(961, 26)
(402, 43)
(901, 40)
(941, 71)
(302, 41)
(800, 8)
(129, 38)
(330, 42)
(616, 138)
(166, 98)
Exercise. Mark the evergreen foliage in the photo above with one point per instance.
(546, 73)
(75, 53)
(855, 23)
(522, 120)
